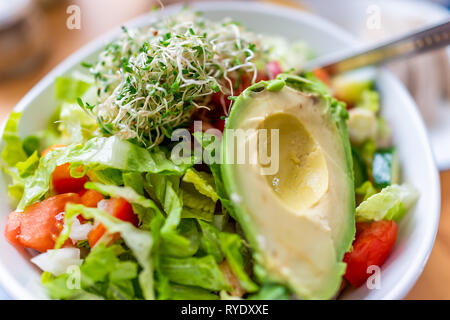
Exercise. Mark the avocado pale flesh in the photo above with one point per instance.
(300, 218)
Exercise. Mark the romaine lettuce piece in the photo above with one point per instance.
(184, 243)
(69, 88)
(203, 183)
(210, 242)
(369, 100)
(13, 151)
(199, 272)
(196, 205)
(139, 241)
(102, 275)
(179, 292)
(75, 124)
(166, 190)
(366, 190)
(97, 154)
(232, 248)
(390, 204)
(28, 167)
(271, 291)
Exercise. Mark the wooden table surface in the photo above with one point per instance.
(435, 280)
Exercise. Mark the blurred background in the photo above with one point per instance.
(36, 35)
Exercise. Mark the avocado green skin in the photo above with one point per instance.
(338, 116)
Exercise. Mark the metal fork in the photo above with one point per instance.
(423, 40)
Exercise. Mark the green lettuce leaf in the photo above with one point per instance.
(199, 272)
(184, 242)
(271, 291)
(31, 144)
(69, 88)
(179, 292)
(210, 242)
(366, 190)
(139, 241)
(167, 192)
(232, 247)
(97, 154)
(103, 274)
(203, 183)
(75, 124)
(28, 167)
(13, 151)
(206, 140)
(370, 100)
(196, 205)
(391, 203)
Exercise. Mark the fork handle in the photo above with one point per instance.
(426, 39)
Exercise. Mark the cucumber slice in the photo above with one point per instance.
(359, 168)
(385, 167)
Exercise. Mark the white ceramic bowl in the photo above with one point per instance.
(417, 230)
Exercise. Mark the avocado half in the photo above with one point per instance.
(300, 218)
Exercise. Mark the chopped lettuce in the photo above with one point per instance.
(15, 160)
(210, 242)
(179, 292)
(13, 151)
(97, 154)
(390, 204)
(69, 88)
(232, 247)
(203, 183)
(123, 192)
(31, 144)
(103, 274)
(205, 141)
(271, 291)
(28, 167)
(366, 190)
(200, 272)
(183, 242)
(139, 241)
(369, 100)
(166, 190)
(75, 124)
(196, 205)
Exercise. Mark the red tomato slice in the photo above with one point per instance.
(40, 224)
(95, 234)
(219, 124)
(119, 208)
(90, 198)
(63, 182)
(371, 247)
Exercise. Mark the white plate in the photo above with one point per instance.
(417, 230)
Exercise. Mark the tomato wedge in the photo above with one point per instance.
(63, 182)
(90, 198)
(117, 207)
(372, 246)
(40, 224)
